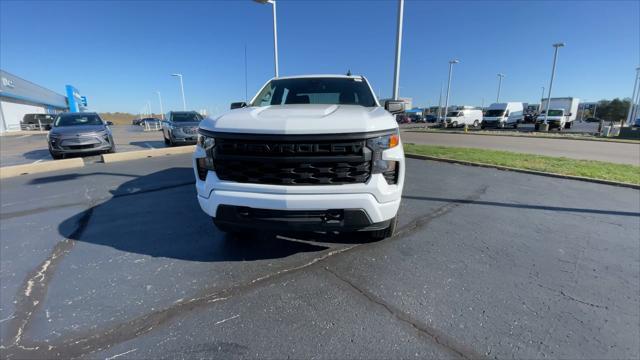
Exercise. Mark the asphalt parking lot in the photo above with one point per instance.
(117, 260)
(32, 148)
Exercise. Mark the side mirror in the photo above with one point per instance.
(238, 105)
(394, 106)
(109, 123)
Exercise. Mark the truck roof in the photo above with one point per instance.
(319, 76)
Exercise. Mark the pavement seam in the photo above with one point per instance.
(441, 339)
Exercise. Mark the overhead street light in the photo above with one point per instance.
(446, 102)
(553, 74)
(500, 76)
(396, 72)
(184, 102)
(275, 32)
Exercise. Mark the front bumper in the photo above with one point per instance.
(80, 144)
(376, 199)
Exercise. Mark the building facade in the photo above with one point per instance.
(19, 97)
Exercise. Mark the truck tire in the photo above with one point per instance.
(476, 123)
(386, 232)
(537, 126)
(567, 125)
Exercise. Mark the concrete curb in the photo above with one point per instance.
(606, 140)
(142, 154)
(532, 172)
(17, 170)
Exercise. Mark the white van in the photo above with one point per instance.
(503, 115)
(472, 117)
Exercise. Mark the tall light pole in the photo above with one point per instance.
(446, 102)
(396, 72)
(275, 32)
(440, 102)
(160, 100)
(553, 74)
(500, 76)
(632, 105)
(184, 102)
(541, 97)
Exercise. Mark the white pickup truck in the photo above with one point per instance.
(308, 153)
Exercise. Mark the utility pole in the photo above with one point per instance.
(553, 73)
(396, 73)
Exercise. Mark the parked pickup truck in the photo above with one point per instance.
(308, 153)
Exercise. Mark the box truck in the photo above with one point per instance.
(562, 112)
(502, 115)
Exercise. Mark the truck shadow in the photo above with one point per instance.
(158, 215)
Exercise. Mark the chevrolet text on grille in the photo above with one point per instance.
(293, 148)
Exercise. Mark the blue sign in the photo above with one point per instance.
(77, 103)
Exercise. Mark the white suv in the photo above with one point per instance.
(309, 153)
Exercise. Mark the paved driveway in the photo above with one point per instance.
(117, 260)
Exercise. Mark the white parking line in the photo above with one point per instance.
(37, 161)
(149, 145)
(23, 136)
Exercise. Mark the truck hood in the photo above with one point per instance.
(302, 119)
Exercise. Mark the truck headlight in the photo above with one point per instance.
(206, 142)
(378, 145)
(204, 164)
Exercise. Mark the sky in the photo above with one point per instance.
(119, 54)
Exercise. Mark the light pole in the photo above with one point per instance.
(184, 102)
(553, 74)
(500, 76)
(161, 110)
(396, 73)
(440, 102)
(541, 97)
(446, 102)
(275, 32)
(632, 106)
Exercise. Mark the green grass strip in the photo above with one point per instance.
(558, 165)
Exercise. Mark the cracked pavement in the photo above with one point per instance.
(117, 261)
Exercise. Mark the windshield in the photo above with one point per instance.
(555, 112)
(494, 113)
(78, 119)
(186, 117)
(338, 91)
(454, 114)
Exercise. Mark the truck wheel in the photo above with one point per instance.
(537, 127)
(385, 233)
(476, 123)
(567, 125)
(166, 141)
(454, 124)
(515, 125)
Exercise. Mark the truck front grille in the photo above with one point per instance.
(292, 161)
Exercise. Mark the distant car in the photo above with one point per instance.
(141, 121)
(37, 121)
(592, 119)
(416, 118)
(74, 133)
(431, 118)
(403, 119)
(181, 127)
